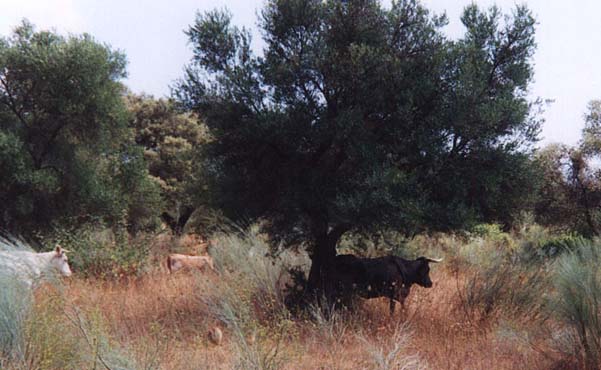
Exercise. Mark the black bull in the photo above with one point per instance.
(388, 276)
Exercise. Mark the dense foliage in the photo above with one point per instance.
(570, 193)
(66, 152)
(359, 117)
(170, 140)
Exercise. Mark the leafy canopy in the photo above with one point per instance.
(65, 149)
(169, 139)
(360, 117)
(570, 194)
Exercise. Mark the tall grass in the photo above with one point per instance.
(39, 330)
(16, 301)
(97, 350)
(248, 299)
(331, 324)
(495, 281)
(578, 301)
(501, 288)
(390, 353)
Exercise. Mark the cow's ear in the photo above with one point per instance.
(59, 250)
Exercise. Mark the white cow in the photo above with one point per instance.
(31, 266)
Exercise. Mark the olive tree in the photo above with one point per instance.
(357, 117)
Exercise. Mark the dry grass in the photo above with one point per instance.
(449, 340)
(158, 316)
(161, 318)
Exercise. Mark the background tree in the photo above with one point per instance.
(570, 196)
(360, 118)
(170, 140)
(66, 152)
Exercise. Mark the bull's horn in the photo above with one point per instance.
(434, 259)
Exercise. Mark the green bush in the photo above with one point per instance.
(16, 303)
(493, 233)
(96, 349)
(578, 301)
(498, 282)
(246, 260)
(558, 245)
(504, 289)
(391, 354)
(542, 245)
(47, 333)
(49, 342)
(248, 297)
(98, 251)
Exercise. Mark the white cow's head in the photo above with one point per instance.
(60, 261)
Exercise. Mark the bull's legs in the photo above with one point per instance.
(404, 293)
(392, 305)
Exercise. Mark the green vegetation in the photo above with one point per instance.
(570, 191)
(14, 307)
(170, 140)
(359, 118)
(577, 304)
(249, 300)
(98, 251)
(66, 155)
(47, 333)
(360, 129)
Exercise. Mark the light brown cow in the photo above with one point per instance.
(181, 261)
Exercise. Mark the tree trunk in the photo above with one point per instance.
(323, 257)
(177, 224)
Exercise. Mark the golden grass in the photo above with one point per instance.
(160, 318)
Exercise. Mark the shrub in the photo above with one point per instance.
(11, 243)
(248, 297)
(263, 351)
(16, 303)
(96, 349)
(48, 339)
(435, 245)
(330, 322)
(558, 245)
(498, 283)
(38, 330)
(493, 233)
(391, 242)
(246, 260)
(391, 354)
(98, 251)
(504, 289)
(578, 301)
(537, 243)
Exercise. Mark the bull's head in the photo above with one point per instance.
(422, 277)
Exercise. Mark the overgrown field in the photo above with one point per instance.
(528, 299)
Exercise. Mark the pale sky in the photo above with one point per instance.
(150, 32)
